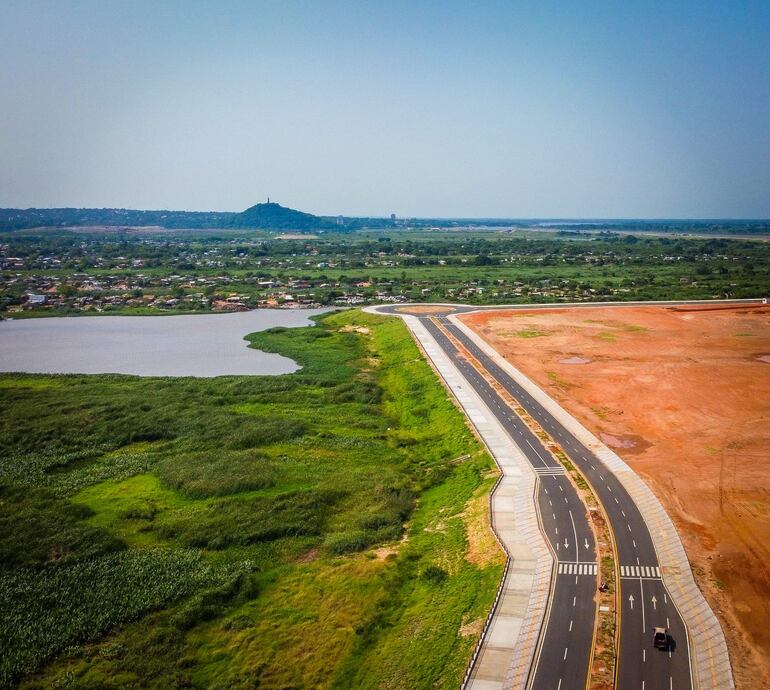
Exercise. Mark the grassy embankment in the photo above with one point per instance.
(294, 531)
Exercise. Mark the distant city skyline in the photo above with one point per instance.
(499, 110)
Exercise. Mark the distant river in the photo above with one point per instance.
(194, 345)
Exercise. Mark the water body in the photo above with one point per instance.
(194, 345)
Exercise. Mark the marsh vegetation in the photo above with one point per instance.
(310, 529)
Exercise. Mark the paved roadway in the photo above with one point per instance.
(563, 658)
(644, 598)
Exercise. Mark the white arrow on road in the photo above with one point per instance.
(654, 602)
(566, 544)
(631, 600)
(586, 544)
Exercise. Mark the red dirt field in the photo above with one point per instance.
(683, 396)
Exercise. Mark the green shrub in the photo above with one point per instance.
(349, 542)
(211, 603)
(218, 473)
(37, 528)
(262, 431)
(434, 574)
(368, 393)
(255, 520)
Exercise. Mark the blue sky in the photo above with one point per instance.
(488, 109)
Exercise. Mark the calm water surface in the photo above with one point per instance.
(195, 345)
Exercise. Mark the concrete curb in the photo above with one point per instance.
(709, 656)
(506, 650)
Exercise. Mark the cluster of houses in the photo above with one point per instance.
(87, 292)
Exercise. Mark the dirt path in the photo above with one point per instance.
(683, 395)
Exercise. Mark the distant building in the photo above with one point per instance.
(393, 216)
(340, 220)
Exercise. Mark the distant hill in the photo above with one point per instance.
(269, 216)
(273, 216)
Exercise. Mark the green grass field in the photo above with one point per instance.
(305, 530)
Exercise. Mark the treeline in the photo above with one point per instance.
(272, 216)
(269, 216)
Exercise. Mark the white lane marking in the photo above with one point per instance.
(558, 687)
(565, 500)
(553, 515)
(622, 511)
(556, 529)
(641, 589)
(665, 598)
(644, 655)
(561, 488)
(570, 626)
(574, 600)
(617, 501)
(629, 527)
(536, 453)
(638, 562)
(565, 653)
(668, 624)
(574, 531)
(634, 541)
(600, 477)
(550, 501)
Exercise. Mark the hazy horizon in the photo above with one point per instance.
(578, 220)
(436, 110)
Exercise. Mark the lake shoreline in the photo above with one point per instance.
(199, 345)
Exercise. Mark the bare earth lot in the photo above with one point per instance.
(683, 395)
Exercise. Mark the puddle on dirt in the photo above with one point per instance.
(575, 360)
(628, 443)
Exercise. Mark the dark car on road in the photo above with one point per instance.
(661, 639)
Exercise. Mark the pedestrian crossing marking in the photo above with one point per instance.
(550, 471)
(566, 568)
(637, 571)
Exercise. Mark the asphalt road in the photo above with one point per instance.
(645, 601)
(564, 653)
